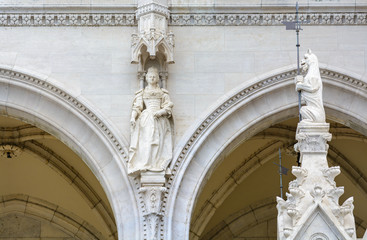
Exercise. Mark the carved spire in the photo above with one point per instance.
(312, 209)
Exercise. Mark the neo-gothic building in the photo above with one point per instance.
(71, 72)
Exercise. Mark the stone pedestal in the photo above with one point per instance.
(151, 194)
(312, 209)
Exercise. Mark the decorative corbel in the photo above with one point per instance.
(152, 200)
(151, 192)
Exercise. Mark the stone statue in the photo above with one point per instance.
(151, 127)
(311, 87)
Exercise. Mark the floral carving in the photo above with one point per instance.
(50, 19)
(84, 19)
(101, 19)
(338, 19)
(14, 19)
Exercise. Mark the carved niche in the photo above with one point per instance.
(153, 44)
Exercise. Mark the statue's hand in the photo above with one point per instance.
(160, 113)
(298, 79)
(298, 87)
(132, 122)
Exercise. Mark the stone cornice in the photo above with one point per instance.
(266, 19)
(226, 15)
(66, 19)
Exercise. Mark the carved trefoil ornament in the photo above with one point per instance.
(312, 206)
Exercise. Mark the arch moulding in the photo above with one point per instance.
(47, 104)
(249, 109)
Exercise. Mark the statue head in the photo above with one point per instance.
(309, 60)
(152, 76)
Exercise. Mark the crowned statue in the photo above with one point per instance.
(151, 127)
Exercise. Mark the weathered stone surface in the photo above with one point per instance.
(17, 225)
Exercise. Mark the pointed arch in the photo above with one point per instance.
(247, 110)
(61, 111)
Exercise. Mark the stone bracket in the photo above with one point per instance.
(151, 192)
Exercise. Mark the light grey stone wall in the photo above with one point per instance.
(210, 61)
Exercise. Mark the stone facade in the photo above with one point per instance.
(229, 67)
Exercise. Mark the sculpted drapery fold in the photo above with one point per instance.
(151, 127)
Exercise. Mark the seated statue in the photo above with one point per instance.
(151, 127)
(311, 90)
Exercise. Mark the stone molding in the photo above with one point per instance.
(282, 136)
(47, 86)
(267, 19)
(15, 140)
(71, 175)
(104, 150)
(245, 93)
(33, 19)
(263, 210)
(67, 20)
(191, 146)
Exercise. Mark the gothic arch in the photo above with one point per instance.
(62, 112)
(252, 107)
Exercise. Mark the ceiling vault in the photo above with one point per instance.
(26, 137)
